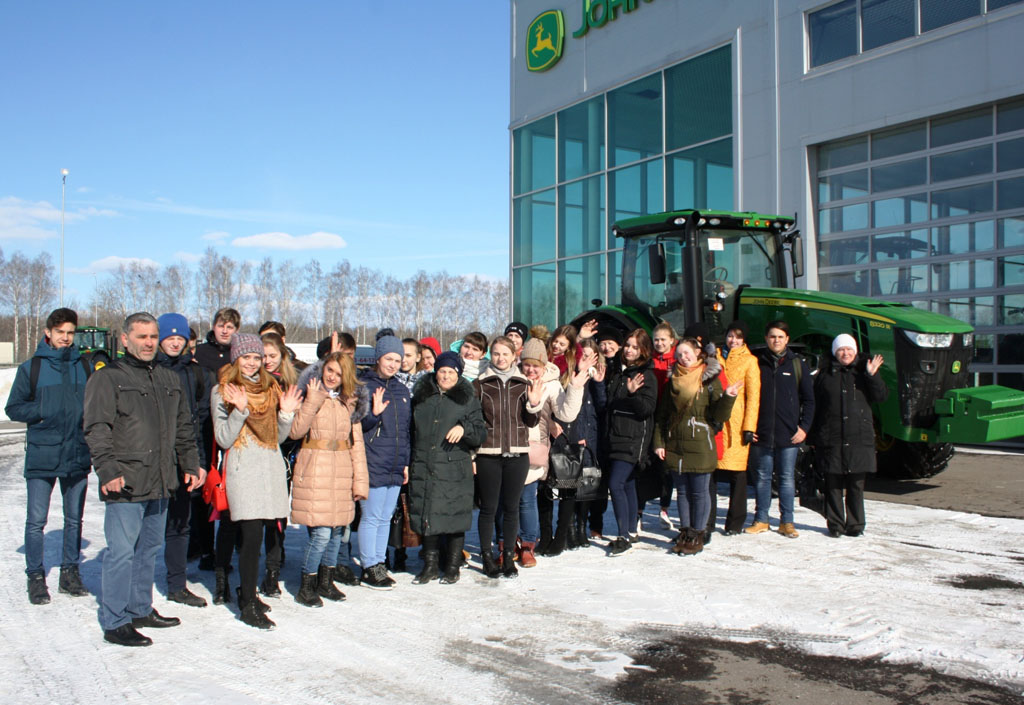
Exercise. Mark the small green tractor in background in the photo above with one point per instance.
(97, 345)
(714, 267)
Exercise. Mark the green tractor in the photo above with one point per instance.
(689, 266)
(98, 346)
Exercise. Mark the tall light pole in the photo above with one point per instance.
(63, 189)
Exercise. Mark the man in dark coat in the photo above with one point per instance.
(843, 433)
(216, 351)
(55, 448)
(196, 383)
(138, 425)
(785, 416)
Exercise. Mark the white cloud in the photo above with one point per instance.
(188, 257)
(217, 236)
(111, 263)
(284, 241)
(39, 220)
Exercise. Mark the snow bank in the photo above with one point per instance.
(6, 380)
(566, 627)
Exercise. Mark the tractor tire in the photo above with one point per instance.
(914, 461)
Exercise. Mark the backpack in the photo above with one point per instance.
(33, 375)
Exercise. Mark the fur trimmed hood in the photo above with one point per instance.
(427, 387)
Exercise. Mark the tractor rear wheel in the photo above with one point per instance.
(913, 461)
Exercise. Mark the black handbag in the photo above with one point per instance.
(589, 487)
(565, 464)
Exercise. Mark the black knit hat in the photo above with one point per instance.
(451, 359)
(517, 327)
(700, 331)
(610, 333)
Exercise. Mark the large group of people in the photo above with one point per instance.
(421, 441)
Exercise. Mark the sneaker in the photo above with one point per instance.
(186, 597)
(37, 592)
(376, 578)
(71, 582)
(666, 522)
(758, 527)
(788, 530)
(619, 545)
(344, 575)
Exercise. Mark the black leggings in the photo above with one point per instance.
(252, 532)
(500, 478)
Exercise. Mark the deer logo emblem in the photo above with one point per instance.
(544, 40)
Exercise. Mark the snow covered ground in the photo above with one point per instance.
(556, 634)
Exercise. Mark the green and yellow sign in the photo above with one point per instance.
(544, 40)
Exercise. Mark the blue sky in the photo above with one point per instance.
(370, 131)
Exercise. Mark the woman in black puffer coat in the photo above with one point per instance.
(843, 432)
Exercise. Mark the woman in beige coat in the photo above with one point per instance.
(330, 474)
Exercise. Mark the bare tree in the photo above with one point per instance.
(42, 287)
(14, 288)
(263, 290)
(338, 290)
(314, 296)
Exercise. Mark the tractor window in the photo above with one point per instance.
(730, 258)
(660, 299)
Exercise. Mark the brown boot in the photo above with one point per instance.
(788, 530)
(695, 545)
(526, 557)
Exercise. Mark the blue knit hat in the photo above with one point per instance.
(173, 324)
(388, 344)
(449, 359)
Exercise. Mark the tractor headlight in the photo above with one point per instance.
(968, 340)
(930, 340)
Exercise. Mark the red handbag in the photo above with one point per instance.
(215, 492)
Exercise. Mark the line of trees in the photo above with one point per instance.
(311, 301)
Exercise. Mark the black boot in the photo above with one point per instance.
(270, 586)
(37, 592)
(431, 567)
(490, 566)
(221, 589)
(508, 565)
(325, 584)
(71, 582)
(400, 559)
(253, 615)
(558, 543)
(344, 575)
(260, 604)
(454, 562)
(307, 594)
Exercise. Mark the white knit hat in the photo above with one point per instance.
(843, 340)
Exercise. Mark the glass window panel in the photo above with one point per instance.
(901, 175)
(975, 311)
(581, 217)
(1010, 155)
(891, 281)
(962, 127)
(1013, 380)
(886, 21)
(581, 139)
(580, 280)
(534, 155)
(615, 277)
(964, 162)
(843, 153)
(939, 13)
(910, 244)
(710, 77)
(1011, 193)
(533, 233)
(845, 283)
(996, 4)
(833, 32)
(701, 177)
(634, 120)
(1011, 232)
(839, 186)
(962, 201)
(636, 190)
(1011, 310)
(967, 274)
(1012, 270)
(534, 294)
(899, 140)
(984, 346)
(836, 253)
(837, 220)
(1010, 116)
(963, 238)
(902, 210)
(1011, 352)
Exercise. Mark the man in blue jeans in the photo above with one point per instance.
(785, 416)
(48, 394)
(138, 425)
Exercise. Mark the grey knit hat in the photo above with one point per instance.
(245, 343)
(388, 344)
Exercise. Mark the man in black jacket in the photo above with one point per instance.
(216, 351)
(139, 428)
(785, 416)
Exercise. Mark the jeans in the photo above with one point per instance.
(323, 548)
(623, 491)
(134, 533)
(72, 492)
(693, 498)
(765, 460)
(179, 512)
(375, 524)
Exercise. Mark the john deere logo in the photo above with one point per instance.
(956, 367)
(544, 41)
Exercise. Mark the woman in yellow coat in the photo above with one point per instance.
(740, 366)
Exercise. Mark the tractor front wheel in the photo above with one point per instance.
(913, 461)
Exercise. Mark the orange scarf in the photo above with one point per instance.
(686, 384)
(261, 424)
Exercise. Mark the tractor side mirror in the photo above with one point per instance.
(796, 255)
(656, 262)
